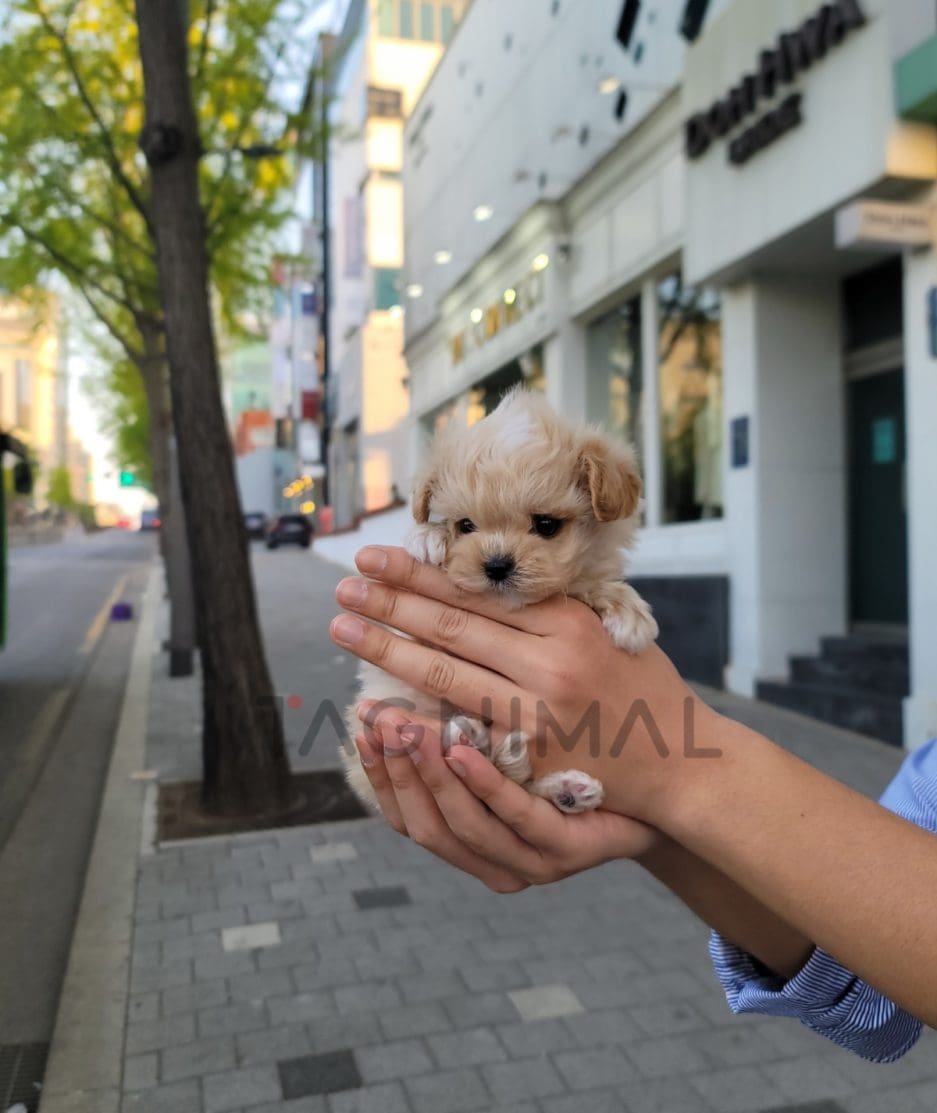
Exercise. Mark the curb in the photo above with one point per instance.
(85, 1062)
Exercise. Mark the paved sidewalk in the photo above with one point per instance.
(270, 967)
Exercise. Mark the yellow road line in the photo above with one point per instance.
(96, 629)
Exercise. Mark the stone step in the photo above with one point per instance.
(855, 672)
(871, 713)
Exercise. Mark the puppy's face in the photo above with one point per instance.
(522, 496)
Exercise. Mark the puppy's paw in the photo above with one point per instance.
(463, 731)
(427, 543)
(571, 792)
(631, 625)
(511, 758)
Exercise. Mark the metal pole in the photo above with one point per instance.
(325, 86)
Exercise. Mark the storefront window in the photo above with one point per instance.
(690, 362)
(448, 22)
(385, 18)
(427, 23)
(406, 19)
(615, 380)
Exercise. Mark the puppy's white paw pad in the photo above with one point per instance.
(631, 628)
(463, 731)
(572, 792)
(427, 543)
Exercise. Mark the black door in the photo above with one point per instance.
(878, 541)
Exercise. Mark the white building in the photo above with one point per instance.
(645, 227)
(389, 49)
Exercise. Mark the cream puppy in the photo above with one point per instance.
(522, 506)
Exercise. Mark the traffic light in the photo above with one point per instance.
(127, 479)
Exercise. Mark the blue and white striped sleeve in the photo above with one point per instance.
(823, 995)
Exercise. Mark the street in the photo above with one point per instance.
(61, 684)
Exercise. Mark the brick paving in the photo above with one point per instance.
(340, 969)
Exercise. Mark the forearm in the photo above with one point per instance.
(727, 908)
(841, 870)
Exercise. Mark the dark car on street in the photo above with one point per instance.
(290, 529)
(255, 522)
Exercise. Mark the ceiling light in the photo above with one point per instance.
(510, 296)
(541, 262)
(609, 85)
(414, 290)
(476, 316)
(396, 311)
(443, 257)
(483, 212)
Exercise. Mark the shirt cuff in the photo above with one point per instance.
(823, 995)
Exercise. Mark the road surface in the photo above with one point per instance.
(62, 677)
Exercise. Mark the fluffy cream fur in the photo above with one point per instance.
(520, 463)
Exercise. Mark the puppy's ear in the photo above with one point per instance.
(609, 473)
(422, 497)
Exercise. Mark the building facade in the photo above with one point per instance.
(390, 47)
(719, 243)
(34, 383)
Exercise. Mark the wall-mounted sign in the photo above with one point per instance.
(795, 52)
(738, 441)
(886, 225)
(487, 322)
(932, 320)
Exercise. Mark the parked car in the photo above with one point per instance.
(290, 529)
(149, 519)
(255, 522)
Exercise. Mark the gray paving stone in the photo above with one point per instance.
(606, 1026)
(332, 1033)
(141, 1071)
(180, 1097)
(191, 998)
(667, 1056)
(670, 1019)
(237, 1089)
(596, 1101)
(197, 1058)
(386, 1061)
(224, 965)
(303, 1105)
(272, 1044)
(192, 946)
(151, 1035)
(415, 1020)
(496, 975)
(732, 1047)
(369, 997)
(158, 931)
(217, 919)
(456, 1091)
(228, 1020)
(738, 1090)
(665, 1095)
(544, 1002)
(143, 1006)
(522, 1080)
(325, 975)
(536, 1037)
(591, 1069)
(264, 983)
(166, 976)
(387, 1098)
(299, 1007)
(904, 1100)
(467, 1048)
(808, 1078)
(474, 1009)
(429, 987)
(278, 910)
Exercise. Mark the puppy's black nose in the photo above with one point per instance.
(498, 568)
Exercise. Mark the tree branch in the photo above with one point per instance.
(112, 158)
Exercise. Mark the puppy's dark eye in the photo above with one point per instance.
(545, 526)
(465, 525)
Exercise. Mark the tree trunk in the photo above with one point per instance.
(244, 755)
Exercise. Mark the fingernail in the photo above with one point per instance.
(365, 757)
(411, 733)
(347, 630)
(363, 710)
(372, 558)
(352, 590)
(415, 756)
(456, 766)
